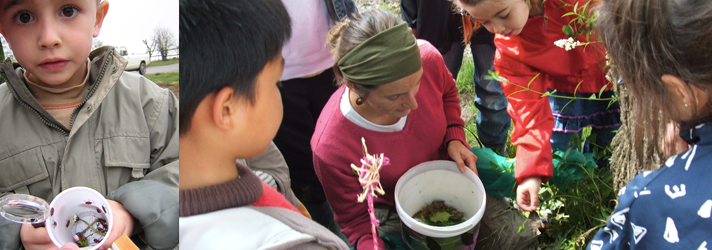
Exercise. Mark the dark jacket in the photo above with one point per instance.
(338, 9)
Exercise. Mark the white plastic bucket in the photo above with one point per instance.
(88, 205)
(439, 180)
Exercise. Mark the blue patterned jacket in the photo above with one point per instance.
(668, 208)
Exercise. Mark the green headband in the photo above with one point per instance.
(383, 58)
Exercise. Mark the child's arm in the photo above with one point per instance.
(533, 124)
(153, 201)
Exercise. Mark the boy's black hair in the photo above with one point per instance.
(226, 44)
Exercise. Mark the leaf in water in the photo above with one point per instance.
(440, 217)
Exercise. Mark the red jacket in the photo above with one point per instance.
(520, 58)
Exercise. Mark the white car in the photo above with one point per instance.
(136, 61)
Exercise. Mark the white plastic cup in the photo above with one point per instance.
(440, 180)
(88, 205)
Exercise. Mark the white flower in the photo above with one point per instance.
(567, 44)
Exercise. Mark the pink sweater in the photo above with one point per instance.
(337, 144)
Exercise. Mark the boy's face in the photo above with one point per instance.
(266, 112)
(505, 17)
(52, 39)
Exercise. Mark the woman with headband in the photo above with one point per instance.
(397, 94)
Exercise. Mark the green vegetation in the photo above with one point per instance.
(161, 63)
(171, 77)
(574, 214)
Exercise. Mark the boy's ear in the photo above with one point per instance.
(101, 11)
(225, 108)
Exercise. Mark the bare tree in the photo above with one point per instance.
(96, 43)
(150, 48)
(164, 41)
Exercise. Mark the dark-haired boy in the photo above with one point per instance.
(231, 108)
(74, 118)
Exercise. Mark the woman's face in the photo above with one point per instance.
(397, 98)
(505, 17)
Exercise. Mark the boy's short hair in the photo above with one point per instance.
(226, 44)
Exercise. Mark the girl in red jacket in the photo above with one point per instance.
(526, 31)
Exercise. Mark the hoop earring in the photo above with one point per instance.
(360, 100)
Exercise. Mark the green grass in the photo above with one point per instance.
(465, 83)
(466, 87)
(161, 63)
(163, 77)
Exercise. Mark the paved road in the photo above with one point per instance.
(160, 69)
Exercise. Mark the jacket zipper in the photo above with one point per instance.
(64, 132)
(42, 118)
(91, 91)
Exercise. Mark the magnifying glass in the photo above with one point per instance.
(26, 209)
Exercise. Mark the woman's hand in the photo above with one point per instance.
(462, 156)
(528, 194)
(35, 238)
(123, 224)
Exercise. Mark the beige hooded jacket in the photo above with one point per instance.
(123, 142)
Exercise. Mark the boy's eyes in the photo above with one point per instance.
(23, 17)
(69, 11)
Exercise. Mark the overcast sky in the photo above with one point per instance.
(130, 21)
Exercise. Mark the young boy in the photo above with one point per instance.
(74, 118)
(231, 108)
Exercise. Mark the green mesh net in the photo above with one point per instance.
(497, 172)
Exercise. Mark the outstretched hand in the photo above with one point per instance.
(528, 194)
(462, 156)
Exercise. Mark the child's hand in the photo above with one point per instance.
(35, 238)
(528, 194)
(462, 156)
(123, 224)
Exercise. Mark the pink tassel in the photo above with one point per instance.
(369, 178)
